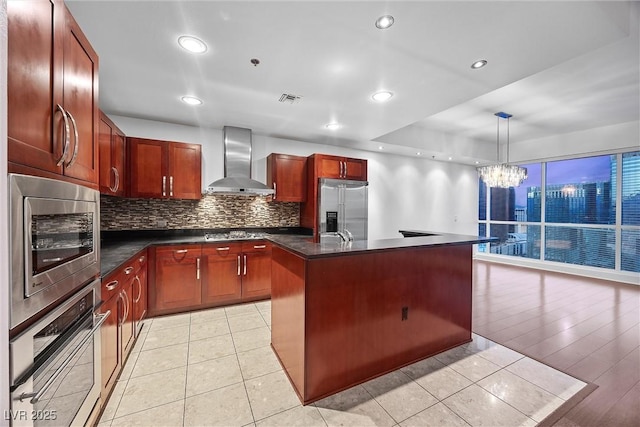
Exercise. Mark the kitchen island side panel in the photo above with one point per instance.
(368, 314)
(288, 314)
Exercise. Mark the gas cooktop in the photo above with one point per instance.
(234, 235)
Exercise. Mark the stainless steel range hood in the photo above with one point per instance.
(237, 166)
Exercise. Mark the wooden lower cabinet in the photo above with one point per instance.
(256, 270)
(189, 277)
(119, 293)
(177, 279)
(221, 282)
(139, 292)
(111, 362)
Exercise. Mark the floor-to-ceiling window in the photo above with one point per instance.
(566, 211)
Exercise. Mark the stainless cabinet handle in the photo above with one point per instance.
(238, 265)
(345, 169)
(126, 302)
(67, 136)
(128, 270)
(275, 191)
(77, 146)
(136, 300)
(141, 259)
(111, 285)
(245, 266)
(181, 251)
(198, 269)
(171, 186)
(226, 248)
(116, 178)
(259, 246)
(36, 396)
(164, 186)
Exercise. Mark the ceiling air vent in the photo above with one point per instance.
(291, 99)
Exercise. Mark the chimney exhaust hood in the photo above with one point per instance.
(237, 166)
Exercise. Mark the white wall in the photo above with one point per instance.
(404, 192)
(590, 142)
(4, 222)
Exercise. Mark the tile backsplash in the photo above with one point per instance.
(212, 211)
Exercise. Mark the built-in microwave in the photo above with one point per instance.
(55, 243)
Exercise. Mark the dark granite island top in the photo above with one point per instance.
(305, 247)
(342, 314)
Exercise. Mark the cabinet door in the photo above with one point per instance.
(329, 166)
(355, 169)
(185, 170)
(140, 294)
(256, 270)
(110, 343)
(288, 177)
(111, 154)
(35, 125)
(126, 324)
(177, 278)
(148, 173)
(80, 97)
(221, 281)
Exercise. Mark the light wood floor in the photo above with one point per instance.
(587, 328)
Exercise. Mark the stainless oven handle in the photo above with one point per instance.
(38, 394)
(52, 259)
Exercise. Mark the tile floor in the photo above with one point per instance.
(216, 367)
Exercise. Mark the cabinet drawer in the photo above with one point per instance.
(221, 250)
(178, 253)
(256, 246)
(140, 261)
(112, 284)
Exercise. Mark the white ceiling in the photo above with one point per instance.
(556, 66)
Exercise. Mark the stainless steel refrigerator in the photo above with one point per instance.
(342, 210)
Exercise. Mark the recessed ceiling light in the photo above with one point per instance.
(479, 64)
(384, 22)
(419, 153)
(333, 126)
(450, 158)
(380, 147)
(192, 44)
(382, 96)
(191, 100)
(477, 162)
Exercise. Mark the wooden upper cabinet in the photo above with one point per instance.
(80, 96)
(164, 169)
(52, 87)
(326, 166)
(287, 175)
(185, 171)
(111, 144)
(340, 167)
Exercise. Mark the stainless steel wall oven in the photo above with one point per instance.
(55, 243)
(55, 364)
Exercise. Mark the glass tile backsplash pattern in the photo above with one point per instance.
(212, 211)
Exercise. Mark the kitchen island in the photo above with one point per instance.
(345, 313)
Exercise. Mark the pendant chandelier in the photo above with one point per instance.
(502, 175)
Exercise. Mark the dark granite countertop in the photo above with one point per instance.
(118, 247)
(307, 249)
